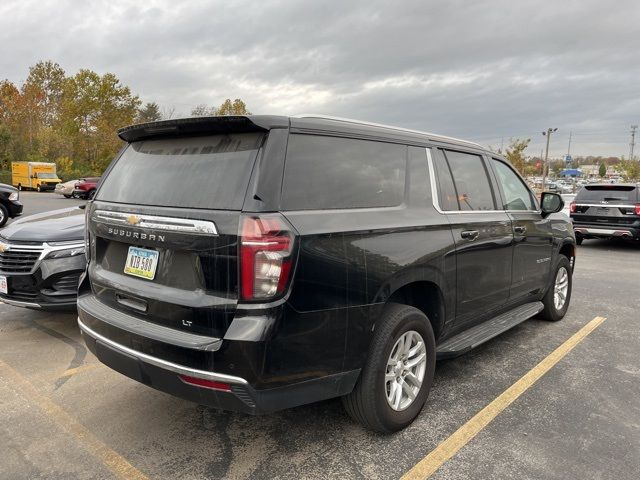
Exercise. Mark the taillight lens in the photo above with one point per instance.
(637, 208)
(572, 207)
(201, 382)
(266, 255)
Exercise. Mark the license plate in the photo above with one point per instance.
(4, 288)
(141, 263)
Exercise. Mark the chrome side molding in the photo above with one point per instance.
(171, 224)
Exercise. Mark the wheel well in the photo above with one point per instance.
(426, 297)
(569, 251)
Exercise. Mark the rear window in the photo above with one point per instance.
(199, 172)
(331, 172)
(622, 194)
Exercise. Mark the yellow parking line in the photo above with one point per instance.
(447, 449)
(117, 464)
(73, 371)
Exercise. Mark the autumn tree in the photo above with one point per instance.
(228, 107)
(515, 153)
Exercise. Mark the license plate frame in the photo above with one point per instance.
(141, 263)
(4, 285)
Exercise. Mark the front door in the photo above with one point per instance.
(532, 235)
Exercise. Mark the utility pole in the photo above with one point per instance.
(569, 147)
(633, 141)
(545, 166)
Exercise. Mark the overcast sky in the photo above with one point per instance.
(483, 71)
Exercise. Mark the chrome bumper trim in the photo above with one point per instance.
(158, 362)
(603, 231)
(18, 303)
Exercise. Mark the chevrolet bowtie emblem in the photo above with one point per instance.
(133, 220)
(3, 247)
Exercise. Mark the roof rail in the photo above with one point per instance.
(390, 127)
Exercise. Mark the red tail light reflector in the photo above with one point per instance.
(266, 247)
(637, 208)
(202, 382)
(572, 207)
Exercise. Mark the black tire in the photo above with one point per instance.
(91, 194)
(579, 240)
(367, 403)
(4, 215)
(67, 196)
(550, 311)
(19, 187)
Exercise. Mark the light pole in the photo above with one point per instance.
(545, 167)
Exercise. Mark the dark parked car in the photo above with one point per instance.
(86, 188)
(10, 206)
(606, 211)
(261, 262)
(41, 259)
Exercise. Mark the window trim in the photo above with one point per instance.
(436, 193)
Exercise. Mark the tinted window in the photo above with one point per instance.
(517, 195)
(330, 172)
(471, 181)
(622, 194)
(446, 190)
(201, 172)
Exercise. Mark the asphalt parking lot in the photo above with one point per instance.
(64, 415)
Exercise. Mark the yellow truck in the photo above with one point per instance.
(38, 176)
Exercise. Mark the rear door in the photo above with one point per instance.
(164, 229)
(532, 235)
(482, 233)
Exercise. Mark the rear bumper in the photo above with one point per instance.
(606, 231)
(159, 356)
(240, 396)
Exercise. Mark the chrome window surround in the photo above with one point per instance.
(45, 249)
(158, 362)
(436, 200)
(172, 224)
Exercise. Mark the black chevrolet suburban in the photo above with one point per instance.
(255, 263)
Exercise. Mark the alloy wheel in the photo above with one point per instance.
(405, 370)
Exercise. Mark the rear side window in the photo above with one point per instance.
(471, 181)
(621, 194)
(199, 172)
(446, 189)
(331, 172)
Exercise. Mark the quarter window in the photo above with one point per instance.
(517, 195)
(333, 172)
(471, 181)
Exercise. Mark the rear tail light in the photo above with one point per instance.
(637, 208)
(572, 207)
(202, 382)
(266, 256)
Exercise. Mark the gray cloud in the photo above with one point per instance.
(479, 70)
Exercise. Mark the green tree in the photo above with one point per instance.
(228, 107)
(602, 170)
(149, 112)
(515, 153)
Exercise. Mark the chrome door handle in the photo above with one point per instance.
(520, 229)
(470, 234)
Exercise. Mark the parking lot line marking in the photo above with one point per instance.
(116, 463)
(449, 447)
(73, 371)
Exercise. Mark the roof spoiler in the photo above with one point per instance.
(197, 126)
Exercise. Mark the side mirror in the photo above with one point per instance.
(551, 203)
